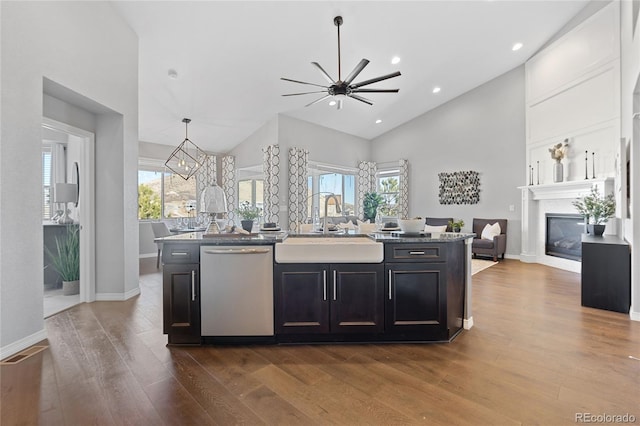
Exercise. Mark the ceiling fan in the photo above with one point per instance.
(339, 88)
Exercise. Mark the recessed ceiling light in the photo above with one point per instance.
(173, 74)
(378, 121)
(395, 60)
(517, 46)
(332, 103)
(436, 89)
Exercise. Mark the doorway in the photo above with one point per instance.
(79, 170)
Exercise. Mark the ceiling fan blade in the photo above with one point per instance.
(375, 90)
(357, 70)
(302, 82)
(324, 73)
(361, 99)
(375, 80)
(304, 93)
(318, 100)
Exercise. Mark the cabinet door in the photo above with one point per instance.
(301, 298)
(181, 300)
(415, 297)
(357, 304)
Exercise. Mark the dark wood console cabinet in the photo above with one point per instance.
(606, 273)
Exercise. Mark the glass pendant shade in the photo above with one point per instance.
(213, 200)
(187, 158)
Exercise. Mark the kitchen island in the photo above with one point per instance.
(415, 289)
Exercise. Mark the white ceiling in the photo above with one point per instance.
(230, 56)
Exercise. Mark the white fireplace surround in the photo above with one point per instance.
(538, 200)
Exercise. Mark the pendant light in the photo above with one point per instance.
(187, 158)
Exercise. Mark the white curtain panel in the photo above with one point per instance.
(271, 183)
(58, 169)
(298, 187)
(229, 185)
(366, 182)
(403, 199)
(206, 175)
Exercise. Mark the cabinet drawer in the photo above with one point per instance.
(180, 253)
(415, 253)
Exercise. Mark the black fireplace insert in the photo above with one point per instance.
(564, 235)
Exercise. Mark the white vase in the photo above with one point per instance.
(558, 173)
(70, 287)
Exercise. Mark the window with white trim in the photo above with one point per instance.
(388, 184)
(324, 180)
(163, 194)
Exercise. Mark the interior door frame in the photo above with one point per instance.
(86, 212)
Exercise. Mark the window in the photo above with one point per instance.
(251, 191)
(324, 180)
(163, 194)
(389, 189)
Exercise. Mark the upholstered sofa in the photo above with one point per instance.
(439, 221)
(493, 248)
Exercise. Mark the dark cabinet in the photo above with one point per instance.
(181, 295)
(606, 273)
(329, 298)
(416, 301)
(424, 297)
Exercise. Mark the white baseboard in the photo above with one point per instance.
(15, 347)
(512, 256)
(117, 297)
(147, 255)
(528, 258)
(635, 316)
(467, 323)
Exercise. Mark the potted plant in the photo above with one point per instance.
(66, 260)
(456, 225)
(597, 210)
(248, 213)
(370, 203)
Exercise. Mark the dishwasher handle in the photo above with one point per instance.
(237, 251)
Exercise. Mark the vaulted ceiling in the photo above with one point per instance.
(229, 57)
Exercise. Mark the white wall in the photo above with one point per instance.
(481, 130)
(630, 129)
(86, 47)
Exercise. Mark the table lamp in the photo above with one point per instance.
(213, 201)
(65, 193)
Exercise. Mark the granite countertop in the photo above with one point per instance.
(275, 237)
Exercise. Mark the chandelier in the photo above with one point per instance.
(187, 158)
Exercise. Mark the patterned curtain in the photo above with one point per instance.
(229, 184)
(271, 189)
(366, 182)
(206, 175)
(298, 187)
(403, 199)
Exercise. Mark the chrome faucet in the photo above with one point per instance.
(325, 228)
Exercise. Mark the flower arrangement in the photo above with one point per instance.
(559, 150)
(596, 208)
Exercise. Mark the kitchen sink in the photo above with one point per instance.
(329, 250)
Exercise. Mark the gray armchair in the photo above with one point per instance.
(494, 248)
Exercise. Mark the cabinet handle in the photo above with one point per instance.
(179, 253)
(334, 285)
(416, 253)
(324, 284)
(193, 286)
(389, 284)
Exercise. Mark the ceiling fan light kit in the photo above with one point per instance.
(340, 89)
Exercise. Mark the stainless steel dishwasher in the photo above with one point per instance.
(236, 290)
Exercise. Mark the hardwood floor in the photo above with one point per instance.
(534, 356)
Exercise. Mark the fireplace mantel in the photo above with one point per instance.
(564, 190)
(537, 200)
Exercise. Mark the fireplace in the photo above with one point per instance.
(564, 235)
